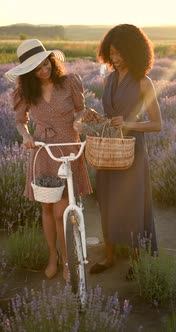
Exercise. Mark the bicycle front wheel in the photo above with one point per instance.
(75, 257)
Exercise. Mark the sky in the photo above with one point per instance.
(99, 12)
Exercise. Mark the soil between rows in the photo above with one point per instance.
(143, 316)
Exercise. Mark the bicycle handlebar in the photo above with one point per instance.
(71, 157)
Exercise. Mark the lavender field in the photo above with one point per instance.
(16, 209)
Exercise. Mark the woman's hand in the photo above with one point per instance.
(90, 115)
(28, 141)
(29, 144)
(117, 121)
(77, 125)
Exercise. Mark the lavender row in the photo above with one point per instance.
(161, 146)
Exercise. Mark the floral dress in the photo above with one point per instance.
(53, 123)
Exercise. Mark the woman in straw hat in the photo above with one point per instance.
(55, 102)
(124, 196)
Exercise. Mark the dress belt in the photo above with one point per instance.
(45, 130)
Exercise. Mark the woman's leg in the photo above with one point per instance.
(49, 228)
(59, 208)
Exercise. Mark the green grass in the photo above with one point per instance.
(156, 277)
(170, 322)
(86, 49)
(77, 49)
(26, 248)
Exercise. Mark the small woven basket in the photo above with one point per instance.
(110, 153)
(45, 194)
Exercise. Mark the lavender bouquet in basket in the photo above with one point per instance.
(101, 128)
(51, 181)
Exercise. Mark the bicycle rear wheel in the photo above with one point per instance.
(75, 257)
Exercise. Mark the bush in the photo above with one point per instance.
(156, 276)
(26, 248)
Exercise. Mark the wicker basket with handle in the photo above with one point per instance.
(45, 194)
(110, 153)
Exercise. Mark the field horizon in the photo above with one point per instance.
(77, 32)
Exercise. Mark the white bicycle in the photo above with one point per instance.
(74, 227)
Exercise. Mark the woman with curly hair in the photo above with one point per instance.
(55, 102)
(124, 196)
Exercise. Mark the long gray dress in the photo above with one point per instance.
(124, 196)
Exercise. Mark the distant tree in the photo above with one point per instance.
(22, 36)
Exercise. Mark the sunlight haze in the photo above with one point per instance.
(112, 12)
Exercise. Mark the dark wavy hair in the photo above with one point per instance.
(30, 85)
(133, 45)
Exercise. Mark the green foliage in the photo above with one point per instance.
(170, 322)
(22, 36)
(165, 49)
(9, 47)
(26, 248)
(122, 250)
(8, 52)
(156, 276)
(76, 49)
(7, 58)
(71, 49)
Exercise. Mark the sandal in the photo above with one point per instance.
(52, 267)
(98, 268)
(66, 274)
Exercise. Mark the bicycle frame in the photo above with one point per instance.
(65, 172)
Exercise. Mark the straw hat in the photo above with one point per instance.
(30, 53)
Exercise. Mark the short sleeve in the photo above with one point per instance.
(77, 91)
(20, 107)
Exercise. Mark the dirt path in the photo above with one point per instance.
(143, 316)
(165, 221)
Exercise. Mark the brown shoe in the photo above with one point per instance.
(98, 267)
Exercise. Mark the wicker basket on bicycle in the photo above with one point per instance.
(46, 194)
(110, 153)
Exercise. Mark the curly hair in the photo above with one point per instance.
(30, 85)
(133, 45)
